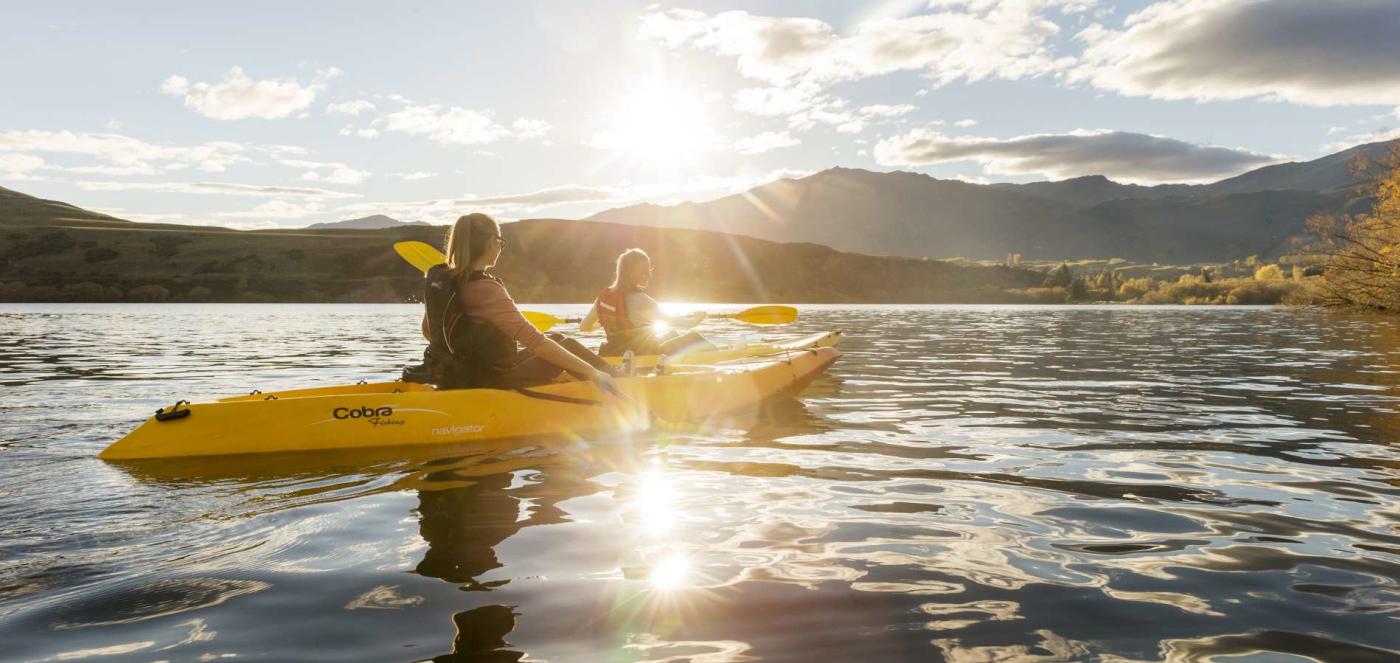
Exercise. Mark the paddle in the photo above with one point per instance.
(419, 254)
(423, 256)
(762, 315)
(757, 315)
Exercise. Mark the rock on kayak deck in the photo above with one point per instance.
(402, 414)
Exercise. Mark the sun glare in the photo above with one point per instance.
(659, 125)
(670, 573)
(655, 503)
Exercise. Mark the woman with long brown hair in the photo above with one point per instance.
(630, 316)
(477, 336)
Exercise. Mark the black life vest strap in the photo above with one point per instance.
(556, 397)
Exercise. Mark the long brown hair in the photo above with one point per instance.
(626, 264)
(466, 241)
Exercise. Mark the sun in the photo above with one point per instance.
(662, 124)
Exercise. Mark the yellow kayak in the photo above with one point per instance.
(402, 413)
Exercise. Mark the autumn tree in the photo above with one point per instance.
(1362, 252)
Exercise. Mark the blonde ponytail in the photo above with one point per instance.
(466, 240)
(626, 265)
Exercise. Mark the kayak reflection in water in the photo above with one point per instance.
(477, 336)
(463, 525)
(630, 316)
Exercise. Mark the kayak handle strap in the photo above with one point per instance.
(174, 412)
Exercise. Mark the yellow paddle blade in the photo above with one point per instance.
(541, 321)
(764, 315)
(421, 255)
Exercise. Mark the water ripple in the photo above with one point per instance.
(968, 484)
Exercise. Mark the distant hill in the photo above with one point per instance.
(373, 222)
(73, 255)
(1329, 173)
(16, 207)
(915, 215)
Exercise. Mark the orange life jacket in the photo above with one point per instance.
(624, 333)
(612, 311)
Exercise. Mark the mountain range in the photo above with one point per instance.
(372, 222)
(1261, 212)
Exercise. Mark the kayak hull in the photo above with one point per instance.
(406, 414)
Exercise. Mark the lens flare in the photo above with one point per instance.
(670, 573)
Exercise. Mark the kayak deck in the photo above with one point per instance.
(817, 340)
(401, 414)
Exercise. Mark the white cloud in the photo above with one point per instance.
(414, 175)
(1301, 51)
(775, 100)
(223, 188)
(965, 123)
(452, 125)
(1391, 133)
(307, 163)
(854, 123)
(238, 97)
(339, 173)
(799, 60)
(1124, 156)
(116, 171)
(886, 110)
(277, 209)
(447, 209)
(526, 128)
(346, 175)
(958, 41)
(127, 155)
(350, 107)
(764, 142)
(20, 163)
(362, 132)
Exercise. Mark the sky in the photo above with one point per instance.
(277, 114)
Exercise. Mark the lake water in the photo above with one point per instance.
(967, 484)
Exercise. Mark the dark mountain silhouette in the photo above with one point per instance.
(56, 252)
(365, 223)
(907, 214)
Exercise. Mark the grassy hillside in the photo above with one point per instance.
(87, 257)
(18, 209)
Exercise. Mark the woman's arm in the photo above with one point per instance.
(426, 333)
(590, 321)
(491, 301)
(556, 354)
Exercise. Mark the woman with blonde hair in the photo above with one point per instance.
(477, 336)
(630, 316)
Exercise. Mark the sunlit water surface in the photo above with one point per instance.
(968, 483)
